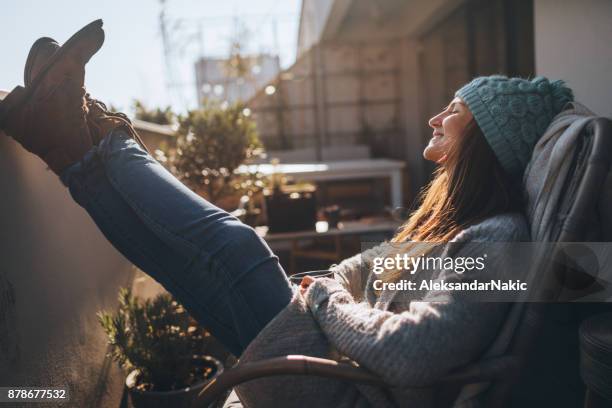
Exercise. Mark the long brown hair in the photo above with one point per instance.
(469, 187)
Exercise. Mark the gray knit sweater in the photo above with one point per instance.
(408, 343)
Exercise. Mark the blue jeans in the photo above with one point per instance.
(216, 266)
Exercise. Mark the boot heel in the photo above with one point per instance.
(17, 96)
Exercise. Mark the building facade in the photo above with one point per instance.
(215, 79)
(372, 73)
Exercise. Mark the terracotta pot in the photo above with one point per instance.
(182, 398)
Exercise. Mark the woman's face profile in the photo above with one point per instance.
(447, 126)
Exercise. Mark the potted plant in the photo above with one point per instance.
(212, 142)
(162, 348)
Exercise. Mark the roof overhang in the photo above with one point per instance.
(340, 9)
(406, 18)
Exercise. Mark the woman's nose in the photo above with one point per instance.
(435, 121)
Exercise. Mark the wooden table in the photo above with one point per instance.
(338, 170)
(348, 228)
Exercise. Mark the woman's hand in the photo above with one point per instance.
(305, 283)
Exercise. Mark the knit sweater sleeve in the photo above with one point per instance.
(352, 273)
(428, 338)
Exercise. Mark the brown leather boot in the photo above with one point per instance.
(49, 116)
(100, 120)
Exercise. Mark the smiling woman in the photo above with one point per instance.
(448, 125)
(482, 141)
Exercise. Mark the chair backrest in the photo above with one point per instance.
(546, 336)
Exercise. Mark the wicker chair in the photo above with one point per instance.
(583, 215)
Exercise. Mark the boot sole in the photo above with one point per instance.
(20, 95)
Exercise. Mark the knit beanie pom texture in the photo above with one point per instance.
(513, 113)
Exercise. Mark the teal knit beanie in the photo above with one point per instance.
(513, 114)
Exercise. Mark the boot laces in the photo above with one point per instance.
(95, 104)
(101, 106)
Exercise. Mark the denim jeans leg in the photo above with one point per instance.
(90, 188)
(227, 266)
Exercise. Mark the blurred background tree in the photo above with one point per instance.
(157, 115)
(238, 64)
(212, 142)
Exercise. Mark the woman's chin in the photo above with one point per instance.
(432, 154)
(436, 149)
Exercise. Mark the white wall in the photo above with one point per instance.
(573, 41)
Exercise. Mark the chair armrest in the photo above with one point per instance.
(486, 370)
(287, 365)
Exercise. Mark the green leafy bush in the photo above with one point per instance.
(212, 143)
(156, 337)
(158, 115)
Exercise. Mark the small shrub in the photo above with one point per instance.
(156, 337)
(158, 115)
(212, 143)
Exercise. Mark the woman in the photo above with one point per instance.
(230, 280)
